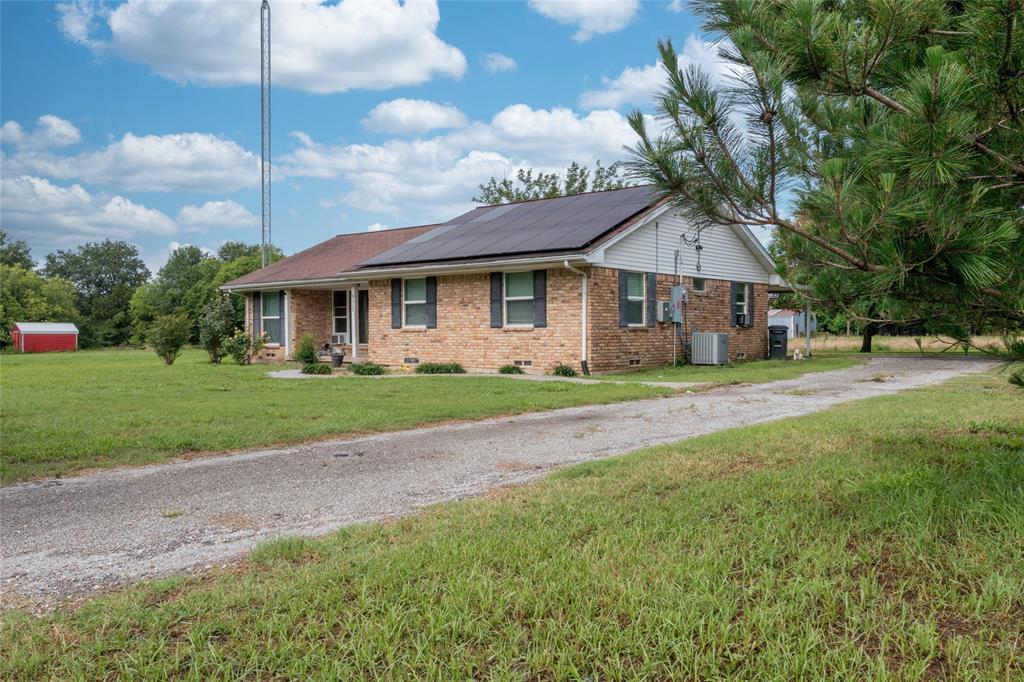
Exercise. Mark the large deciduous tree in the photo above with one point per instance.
(15, 252)
(105, 275)
(577, 179)
(882, 140)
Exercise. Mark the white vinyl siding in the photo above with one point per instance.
(519, 299)
(415, 302)
(635, 301)
(724, 256)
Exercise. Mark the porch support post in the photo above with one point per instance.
(353, 297)
(807, 330)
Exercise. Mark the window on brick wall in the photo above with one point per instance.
(699, 284)
(415, 302)
(340, 312)
(270, 315)
(740, 305)
(635, 298)
(519, 298)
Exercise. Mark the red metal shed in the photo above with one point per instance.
(44, 337)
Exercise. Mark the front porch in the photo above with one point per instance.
(336, 318)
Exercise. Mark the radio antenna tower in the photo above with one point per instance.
(265, 128)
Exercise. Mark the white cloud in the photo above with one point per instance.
(216, 214)
(317, 47)
(591, 17)
(495, 62)
(413, 116)
(429, 179)
(637, 85)
(376, 227)
(52, 216)
(198, 162)
(675, 6)
(51, 131)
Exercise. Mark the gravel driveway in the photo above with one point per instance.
(71, 537)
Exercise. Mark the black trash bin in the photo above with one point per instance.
(778, 340)
(337, 359)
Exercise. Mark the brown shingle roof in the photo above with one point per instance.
(326, 259)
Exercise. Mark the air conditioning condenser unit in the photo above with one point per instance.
(709, 349)
(339, 339)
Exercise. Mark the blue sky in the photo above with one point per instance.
(140, 121)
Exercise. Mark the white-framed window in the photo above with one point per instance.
(270, 315)
(519, 299)
(635, 302)
(340, 306)
(740, 305)
(699, 284)
(414, 302)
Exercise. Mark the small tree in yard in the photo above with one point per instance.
(215, 326)
(241, 346)
(167, 335)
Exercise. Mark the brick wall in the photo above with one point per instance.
(464, 332)
(611, 347)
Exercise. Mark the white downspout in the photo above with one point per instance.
(353, 295)
(583, 313)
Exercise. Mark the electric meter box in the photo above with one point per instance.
(678, 297)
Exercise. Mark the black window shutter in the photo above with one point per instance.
(396, 303)
(431, 302)
(651, 290)
(623, 299)
(257, 314)
(732, 303)
(496, 299)
(540, 298)
(750, 305)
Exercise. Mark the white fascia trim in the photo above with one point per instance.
(287, 284)
(459, 268)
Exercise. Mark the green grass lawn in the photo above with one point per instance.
(882, 539)
(752, 372)
(64, 412)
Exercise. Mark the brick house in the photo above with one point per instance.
(576, 280)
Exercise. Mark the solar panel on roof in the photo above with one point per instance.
(563, 223)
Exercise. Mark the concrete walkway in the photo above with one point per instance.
(71, 537)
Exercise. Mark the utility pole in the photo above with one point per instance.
(265, 129)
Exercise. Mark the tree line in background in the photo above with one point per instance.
(106, 289)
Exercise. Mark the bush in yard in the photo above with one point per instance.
(510, 369)
(242, 346)
(563, 370)
(216, 323)
(440, 368)
(316, 368)
(167, 334)
(366, 368)
(305, 352)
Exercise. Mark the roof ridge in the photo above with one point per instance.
(567, 196)
(389, 229)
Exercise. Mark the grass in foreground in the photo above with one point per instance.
(752, 372)
(64, 412)
(882, 539)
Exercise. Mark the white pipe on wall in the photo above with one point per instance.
(583, 311)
